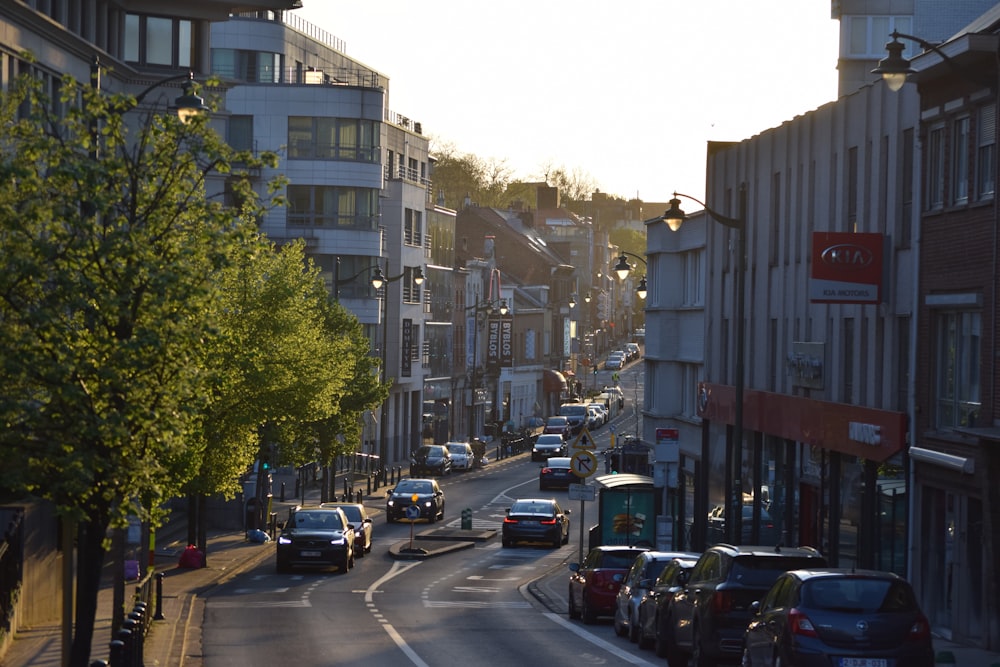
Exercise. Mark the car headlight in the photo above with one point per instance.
(337, 541)
(428, 503)
(282, 539)
(390, 503)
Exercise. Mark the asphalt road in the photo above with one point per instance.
(484, 605)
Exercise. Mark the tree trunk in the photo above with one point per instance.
(89, 563)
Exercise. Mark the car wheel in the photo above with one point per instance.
(633, 630)
(645, 641)
(344, 564)
(587, 613)
(557, 542)
(573, 611)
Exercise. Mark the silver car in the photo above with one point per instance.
(461, 455)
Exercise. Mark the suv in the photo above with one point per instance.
(709, 617)
(430, 460)
(316, 537)
(577, 415)
(594, 583)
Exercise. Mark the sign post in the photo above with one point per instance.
(583, 464)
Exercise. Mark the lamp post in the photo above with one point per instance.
(187, 107)
(674, 216)
(489, 307)
(622, 268)
(894, 68)
(380, 279)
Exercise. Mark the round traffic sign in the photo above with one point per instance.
(413, 512)
(584, 463)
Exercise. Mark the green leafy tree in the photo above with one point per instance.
(112, 252)
(459, 175)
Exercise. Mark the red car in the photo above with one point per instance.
(559, 425)
(594, 583)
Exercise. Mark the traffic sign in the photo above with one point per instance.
(412, 512)
(583, 464)
(582, 492)
(584, 440)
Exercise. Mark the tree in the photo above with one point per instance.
(460, 175)
(111, 265)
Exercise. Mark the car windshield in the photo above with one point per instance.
(413, 486)
(763, 572)
(557, 421)
(573, 409)
(325, 520)
(430, 450)
(857, 595)
(618, 559)
(353, 512)
(549, 439)
(532, 508)
(456, 449)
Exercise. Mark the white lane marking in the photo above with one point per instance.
(397, 568)
(597, 641)
(472, 604)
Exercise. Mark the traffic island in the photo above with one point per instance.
(437, 542)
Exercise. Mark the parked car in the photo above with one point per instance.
(557, 425)
(316, 537)
(708, 619)
(548, 445)
(603, 409)
(637, 581)
(429, 500)
(655, 606)
(595, 416)
(535, 520)
(556, 474)
(577, 415)
(594, 583)
(430, 460)
(361, 522)
(716, 530)
(461, 455)
(863, 617)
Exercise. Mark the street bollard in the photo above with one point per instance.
(134, 641)
(345, 490)
(467, 519)
(140, 638)
(125, 637)
(116, 653)
(369, 484)
(159, 597)
(282, 492)
(359, 497)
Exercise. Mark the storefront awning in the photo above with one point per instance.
(553, 382)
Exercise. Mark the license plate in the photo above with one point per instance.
(311, 554)
(863, 662)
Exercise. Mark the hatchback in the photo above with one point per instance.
(594, 583)
(461, 455)
(536, 520)
(547, 445)
(640, 578)
(839, 616)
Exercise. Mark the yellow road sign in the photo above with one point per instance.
(584, 440)
(583, 464)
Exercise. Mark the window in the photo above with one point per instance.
(331, 206)
(157, 40)
(250, 66)
(868, 35)
(957, 367)
(240, 133)
(960, 161)
(689, 390)
(935, 168)
(413, 228)
(986, 152)
(694, 279)
(332, 139)
(411, 290)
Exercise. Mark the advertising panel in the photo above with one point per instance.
(493, 345)
(846, 268)
(628, 517)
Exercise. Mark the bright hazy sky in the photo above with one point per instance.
(627, 91)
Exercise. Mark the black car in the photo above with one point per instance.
(709, 617)
(423, 494)
(556, 474)
(862, 617)
(316, 537)
(430, 460)
(536, 520)
(655, 606)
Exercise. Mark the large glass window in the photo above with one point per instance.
(868, 35)
(957, 366)
(331, 206)
(332, 139)
(413, 228)
(158, 40)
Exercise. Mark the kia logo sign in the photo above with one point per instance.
(847, 256)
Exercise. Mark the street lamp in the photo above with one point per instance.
(894, 68)
(488, 307)
(187, 106)
(622, 268)
(674, 216)
(338, 281)
(379, 279)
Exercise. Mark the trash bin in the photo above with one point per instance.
(467, 519)
(250, 521)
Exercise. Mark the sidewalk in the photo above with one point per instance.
(174, 641)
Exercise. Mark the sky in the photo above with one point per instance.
(628, 92)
